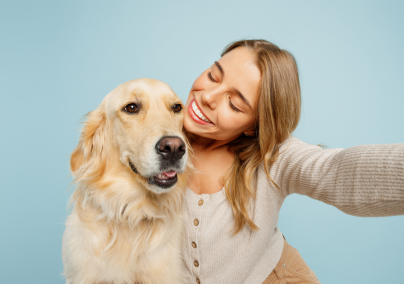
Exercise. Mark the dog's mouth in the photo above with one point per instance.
(165, 179)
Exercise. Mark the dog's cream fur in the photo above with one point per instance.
(123, 229)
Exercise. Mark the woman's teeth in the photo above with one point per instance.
(198, 112)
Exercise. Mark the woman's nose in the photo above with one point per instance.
(210, 97)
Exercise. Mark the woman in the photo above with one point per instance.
(239, 117)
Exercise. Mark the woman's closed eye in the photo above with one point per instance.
(233, 107)
(211, 78)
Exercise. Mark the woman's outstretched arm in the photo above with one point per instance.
(363, 180)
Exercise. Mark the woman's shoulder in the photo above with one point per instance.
(287, 147)
(294, 145)
(296, 159)
(294, 152)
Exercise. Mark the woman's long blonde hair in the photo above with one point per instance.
(278, 114)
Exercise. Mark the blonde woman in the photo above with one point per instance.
(239, 117)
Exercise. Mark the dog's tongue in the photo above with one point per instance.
(170, 174)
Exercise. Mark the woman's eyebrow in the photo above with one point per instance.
(242, 97)
(234, 89)
(220, 68)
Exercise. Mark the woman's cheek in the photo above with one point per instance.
(229, 122)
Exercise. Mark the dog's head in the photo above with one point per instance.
(138, 129)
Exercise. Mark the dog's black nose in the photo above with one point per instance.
(171, 148)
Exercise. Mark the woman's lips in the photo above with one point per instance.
(195, 117)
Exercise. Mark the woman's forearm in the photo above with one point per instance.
(363, 180)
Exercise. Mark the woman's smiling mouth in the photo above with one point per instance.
(197, 114)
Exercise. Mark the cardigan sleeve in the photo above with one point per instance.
(363, 180)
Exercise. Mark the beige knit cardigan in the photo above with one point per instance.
(362, 181)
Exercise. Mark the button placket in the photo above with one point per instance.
(194, 243)
(196, 221)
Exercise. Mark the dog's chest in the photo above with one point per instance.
(119, 245)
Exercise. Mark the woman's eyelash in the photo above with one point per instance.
(210, 77)
(233, 107)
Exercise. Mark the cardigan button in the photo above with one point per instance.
(196, 263)
(196, 222)
(193, 244)
(200, 202)
(198, 281)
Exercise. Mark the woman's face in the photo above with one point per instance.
(222, 103)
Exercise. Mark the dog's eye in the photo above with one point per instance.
(131, 108)
(177, 108)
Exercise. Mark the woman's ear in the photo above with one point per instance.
(89, 155)
(250, 132)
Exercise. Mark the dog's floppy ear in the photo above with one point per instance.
(88, 159)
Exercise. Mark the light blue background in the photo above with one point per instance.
(59, 59)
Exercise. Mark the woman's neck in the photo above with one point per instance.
(204, 144)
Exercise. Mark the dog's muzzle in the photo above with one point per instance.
(170, 149)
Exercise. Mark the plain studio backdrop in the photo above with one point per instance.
(59, 59)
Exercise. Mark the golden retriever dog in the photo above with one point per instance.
(131, 169)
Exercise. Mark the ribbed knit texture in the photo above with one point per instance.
(362, 181)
